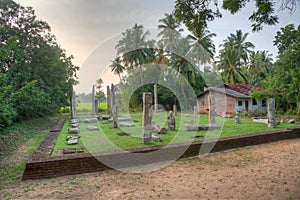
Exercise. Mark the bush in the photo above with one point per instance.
(257, 113)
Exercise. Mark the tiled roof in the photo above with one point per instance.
(242, 88)
(230, 93)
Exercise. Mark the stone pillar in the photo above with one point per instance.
(155, 98)
(114, 107)
(171, 121)
(272, 123)
(147, 118)
(211, 106)
(93, 101)
(108, 99)
(195, 110)
(96, 107)
(174, 110)
(73, 105)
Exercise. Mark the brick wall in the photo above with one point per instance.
(42, 165)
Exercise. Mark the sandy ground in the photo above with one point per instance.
(269, 171)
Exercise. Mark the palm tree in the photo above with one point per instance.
(134, 48)
(238, 41)
(259, 65)
(169, 32)
(117, 67)
(229, 63)
(202, 46)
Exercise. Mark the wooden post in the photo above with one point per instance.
(147, 118)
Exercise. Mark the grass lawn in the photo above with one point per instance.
(107, 139)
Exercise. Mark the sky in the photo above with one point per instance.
(90, 29)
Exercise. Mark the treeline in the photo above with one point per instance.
(36, 76)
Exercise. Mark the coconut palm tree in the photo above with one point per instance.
(117, 67)
(230, 65)
(169, 32)
(202, 47)
(258, 66)
(238, 41)
(134, 48)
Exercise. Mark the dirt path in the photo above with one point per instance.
(269, 171)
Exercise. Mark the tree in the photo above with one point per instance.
(169, 32)
(258, 67)
(230, 65)
(238, 41)
(202, 46)
(284, 81)
(117, 67)
(197, 13)
(38, 72)
(134, 48)
(99, 93)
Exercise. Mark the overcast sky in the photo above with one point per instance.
(89, 29)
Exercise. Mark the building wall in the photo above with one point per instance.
(224, 104)
(240, 108)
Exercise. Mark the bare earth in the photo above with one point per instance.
(269, 171)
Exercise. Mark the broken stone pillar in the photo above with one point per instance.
(272, 123)
(114, 107)
(73, 110)
(211, 114)
(108, 99)
(155, 98)
(93, 101)
(171, 121)
(147, 118)
(174, 110)
(237, 120)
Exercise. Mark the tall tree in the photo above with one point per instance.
(169, 32)
(117, 67)
(134, 48)
(202, 47)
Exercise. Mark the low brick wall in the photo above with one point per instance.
(42, 165)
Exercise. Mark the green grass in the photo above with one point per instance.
(18, 143)
(87, 107)
(107, 139)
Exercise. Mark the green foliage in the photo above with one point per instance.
(196, 14)
(284, 81)
(36, 75)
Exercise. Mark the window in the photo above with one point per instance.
(240, 103)
(254, 102)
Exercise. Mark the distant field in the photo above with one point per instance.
(87, 107)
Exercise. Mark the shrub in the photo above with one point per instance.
(257, 113)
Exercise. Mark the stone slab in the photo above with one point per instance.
(199, 127)
(93, 128)
(73, 130)
(126, 124)
(91, 120)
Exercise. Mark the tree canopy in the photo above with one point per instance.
(36, 75)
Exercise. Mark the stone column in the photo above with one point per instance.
(114, 107)
(155, 98)
(73, 105)
(93, 101)
(272, 123)
(108, 99)
(211, 106)
(195, 110)
(147, 118)
(174, 110)
(96, 107)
